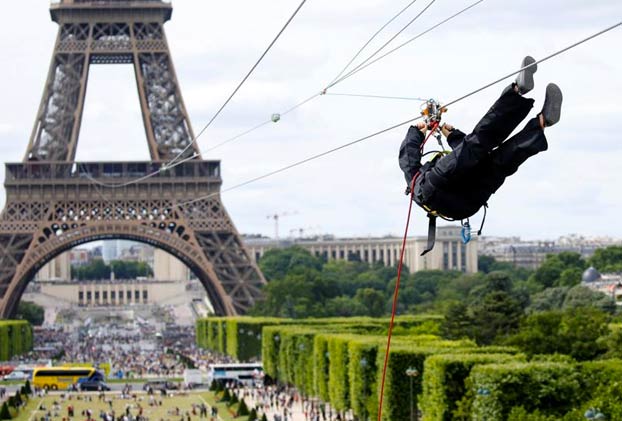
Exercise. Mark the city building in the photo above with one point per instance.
(450, 253)
(168, 267)
(531, 254)
(607, 283)
(58, 269)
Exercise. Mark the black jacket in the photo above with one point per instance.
(452, 201)
(410, 150)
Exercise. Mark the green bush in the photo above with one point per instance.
(244, 338)
(397, 396)
(321, 364)
(554, 388)
(270, 347)
(362, 372)
(5, 414)
(242, 409)
(338, 386)
(444, 381)
(226, 396)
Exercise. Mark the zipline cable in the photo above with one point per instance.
(413, 20)
(372, 38)
(550, 56)
(266, 122)
(143, 178)
(367, 137)
(359, 68)
(260, 125)
(403, 98)
(335, 82)
(241, 83)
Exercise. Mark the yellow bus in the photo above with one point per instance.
(62, 378)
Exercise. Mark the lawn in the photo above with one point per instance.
(172, 408)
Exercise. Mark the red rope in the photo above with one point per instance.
(399, 277)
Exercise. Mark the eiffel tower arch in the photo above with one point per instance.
(54, 203)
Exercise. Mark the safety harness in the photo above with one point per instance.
(432, 112)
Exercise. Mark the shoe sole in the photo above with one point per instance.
(552, 108)
(524, 80)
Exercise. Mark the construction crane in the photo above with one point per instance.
(276, 218)
(301, 231)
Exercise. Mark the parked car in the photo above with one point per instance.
(160, 385)
(93, 385)
(16, 375)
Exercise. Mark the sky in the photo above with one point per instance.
(571, 188)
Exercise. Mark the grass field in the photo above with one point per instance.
(173, 408)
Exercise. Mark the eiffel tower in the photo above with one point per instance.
(54, 203)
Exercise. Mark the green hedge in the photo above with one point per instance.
(495, 389)
(444, 381)
(244, 338)
(270, 347)
(15, 338)
(321, 363)
(547, 391)
(338, 382)
(397, 395)
(362, 375)
(222, 334)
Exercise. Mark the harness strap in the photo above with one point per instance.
(431, 233)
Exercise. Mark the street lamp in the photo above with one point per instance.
(412, 373)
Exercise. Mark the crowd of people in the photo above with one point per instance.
(133, 350)
(281, 403)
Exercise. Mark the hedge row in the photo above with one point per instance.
(15, 338)
(444, 381)
(547, 389)
(341, 360)
(344, 368)
(240, 337)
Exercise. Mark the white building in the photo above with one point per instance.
(449, 253)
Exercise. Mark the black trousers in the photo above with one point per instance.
(460, 183)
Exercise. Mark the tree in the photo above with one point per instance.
(27, 388)
(549, 273)
(573, 332)
(253, 415)
(580, 296)
(33, 313)
(491, 311)
(4, 412)
(457, 323)
(497, 315)
(242, 408)
(372, 300)
(549, 299)
(226, 396)
(344, 306)
(277, 263)
(607, 259)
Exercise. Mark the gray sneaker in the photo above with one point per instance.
(524, 80)
(552, 108)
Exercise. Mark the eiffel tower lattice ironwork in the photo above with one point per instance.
(53, 205)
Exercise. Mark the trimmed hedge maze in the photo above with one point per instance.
(340, 361)
(15, 338)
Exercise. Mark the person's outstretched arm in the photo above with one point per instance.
(410, 151)
(453, 135)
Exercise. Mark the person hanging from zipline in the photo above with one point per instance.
(456, 185)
